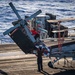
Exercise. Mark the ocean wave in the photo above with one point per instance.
(60, 8)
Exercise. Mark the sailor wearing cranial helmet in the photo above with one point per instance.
(42, 50)
(39, 57)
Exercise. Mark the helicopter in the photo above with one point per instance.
(23, 37)
(63, 50)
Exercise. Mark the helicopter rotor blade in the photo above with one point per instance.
(61, 20)
(15, 11)
(56, 31)
(11, 29)
(33, 15)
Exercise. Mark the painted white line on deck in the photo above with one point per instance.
(14, 55)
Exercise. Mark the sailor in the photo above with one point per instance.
(42, 50)
(39, 58)
(35, 34)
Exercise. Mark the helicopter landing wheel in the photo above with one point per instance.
(50, 64)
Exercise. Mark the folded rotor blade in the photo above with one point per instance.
(34, 15)
(15, 11)
(56, 31)
(60, 20)
(11, 29)
(43, 30)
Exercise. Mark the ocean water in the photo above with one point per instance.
(60, 8)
